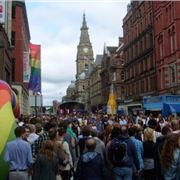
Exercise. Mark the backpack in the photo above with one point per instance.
(117, 152)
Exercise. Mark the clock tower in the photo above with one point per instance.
(84, 59)
(84, 50)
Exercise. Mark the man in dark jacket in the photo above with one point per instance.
(124, 169)
(91, 165)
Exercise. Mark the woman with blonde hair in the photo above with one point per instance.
(170, 157)
(148, 146)
(46, 164)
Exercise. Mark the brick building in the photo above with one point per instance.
(117, 69)
(107, 72)
(139, 65)
(5, 43)
(167, 46)
(5, 57)
(20, 38)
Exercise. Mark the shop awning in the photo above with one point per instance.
(171, 108)
(153, 106)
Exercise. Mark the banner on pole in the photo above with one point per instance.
(35, 78)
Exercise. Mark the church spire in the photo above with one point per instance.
(84, 37)
(84, 24)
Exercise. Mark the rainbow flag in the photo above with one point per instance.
(35, 78)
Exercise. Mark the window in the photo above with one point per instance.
(141, 46)
(151, 62)
(122, 90)
(171, 42)
(122, 76)
(160, 79)
(146, 64)
(172, 74)
(141, 67)
(172, 39)
(151, 40)
(142, 86)
(7, 76)
(114, 76)
(136, 51)
(13, 38)
(137, 88)
(147, 84)
(13, 12)
(13, 70)
(160, 42)
(152, 83)
(86, 66)
(145, 42)
(132, 53)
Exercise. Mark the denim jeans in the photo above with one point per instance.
(122, 173)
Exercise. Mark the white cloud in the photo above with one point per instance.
(56, 26)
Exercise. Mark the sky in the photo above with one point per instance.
(55, 25)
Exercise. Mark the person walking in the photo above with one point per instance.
(149, 149)
(139, 148)
(46, 164)
(123, 156)
(91, 166)
(67, 165)
(170, 157)
(18, 155)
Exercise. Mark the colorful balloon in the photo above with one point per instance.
(9, 109)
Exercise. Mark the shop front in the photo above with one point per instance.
(165, 104)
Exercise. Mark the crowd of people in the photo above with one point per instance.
(95, 147)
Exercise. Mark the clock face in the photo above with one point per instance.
(85, 50)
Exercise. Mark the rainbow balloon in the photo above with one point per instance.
(9, 109)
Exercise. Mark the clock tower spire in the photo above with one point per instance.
(84, 50)
(84, 59)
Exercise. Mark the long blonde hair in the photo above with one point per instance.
(148, 134)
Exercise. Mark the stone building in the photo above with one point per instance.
(71, 91)
(83, 60)
(167, 46)
(95, 96)
(139, 65)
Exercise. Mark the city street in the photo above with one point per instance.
(89, 90)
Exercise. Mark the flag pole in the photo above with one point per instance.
(35, 104)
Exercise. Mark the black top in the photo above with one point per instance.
(148, 149)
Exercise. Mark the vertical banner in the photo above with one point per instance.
(2, 11)
(26, 67)
(112, 105)
(35, 78)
